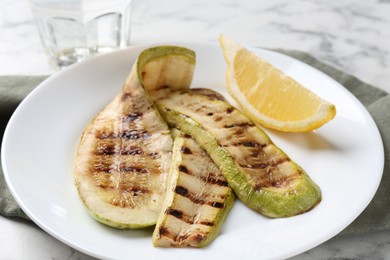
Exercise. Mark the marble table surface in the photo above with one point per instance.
(351, 35)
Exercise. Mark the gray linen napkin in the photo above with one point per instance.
(375, 217)
(12, 91)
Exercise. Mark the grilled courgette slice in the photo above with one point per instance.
(260, 173)
(198, 198)
(123, 158)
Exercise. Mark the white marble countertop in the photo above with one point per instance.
(351, 35)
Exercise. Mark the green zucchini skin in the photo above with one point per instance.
(260, 174)
(197, 201)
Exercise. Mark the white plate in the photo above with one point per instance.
(345, 158)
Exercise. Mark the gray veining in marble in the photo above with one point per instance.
(330, 30)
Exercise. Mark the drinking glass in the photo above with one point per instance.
(73, 30)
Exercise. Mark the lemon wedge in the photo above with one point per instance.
(269, 96)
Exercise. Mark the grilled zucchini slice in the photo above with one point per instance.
(260, 174)
(123, 158)
(198, 198)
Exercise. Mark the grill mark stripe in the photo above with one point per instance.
(104, 135)
(206, 223)
(185, 193)
(194, 198)
(125, 96)
(268, 168)
(106, 150)
(275, 183)
(134, 169)
(251, 144)
(216, 204)
(180, 215)
(131, 117)
(133, 150)
(136, 189)
(265, 165)
(185, 218)
(238, 131)
(133, 134)
(108, 169)
(186, 150)
(246, 144)
(187, 136)
(134, 192)
(101, 167)
(184, 169)
(209, 180)
(215, 181)
(132, 189)
(126, 135)
(241, 125)
(154, 155)
(112, 150)
(181, 190)
(176, 213)
(163, 231)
